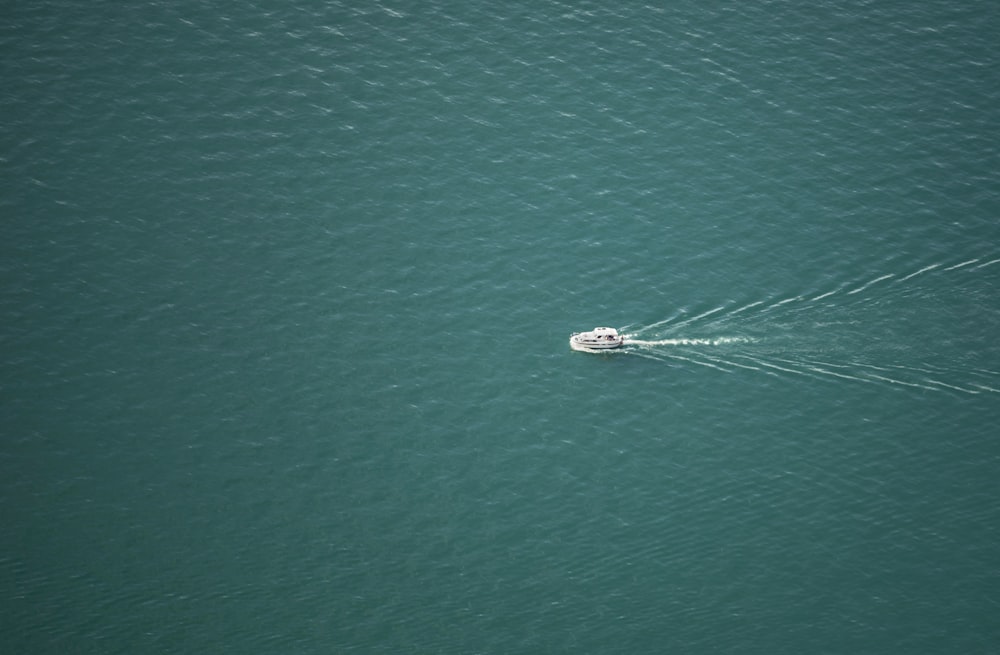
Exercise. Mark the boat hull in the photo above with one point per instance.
(589, 341)
(582, 345)
(601, 338)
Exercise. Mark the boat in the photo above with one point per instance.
(600, 338)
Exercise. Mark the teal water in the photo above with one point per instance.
(286, 294)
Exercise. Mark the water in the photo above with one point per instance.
(287, 292)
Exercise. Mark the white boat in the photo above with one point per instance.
(600, 338)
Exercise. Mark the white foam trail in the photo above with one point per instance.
(659, 342)
(992, 261)
(971, 261)
(985, 388)
(878, 279)
(923, 270)
(722, 341)
(718, 341)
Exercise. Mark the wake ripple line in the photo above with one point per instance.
(871, 366)
(984, 372)
(869, 377)
(786, 301)
(679, 357)
(655, 325)
(951, 386)
(827, 294)
(923, 270)
(989, 263)
(910, 369)
(815, 366)
(730, 363)
(700, 363)
(700, 316)
(897, 381)
(926, 369)
(907, 384)
(646, 355)
(775, 366)
(865, 286)
(971, 261)
(746, 307)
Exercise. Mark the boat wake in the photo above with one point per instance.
(756, 355)
(717, 341)
(841, 334)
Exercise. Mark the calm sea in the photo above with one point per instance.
(286, 290)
